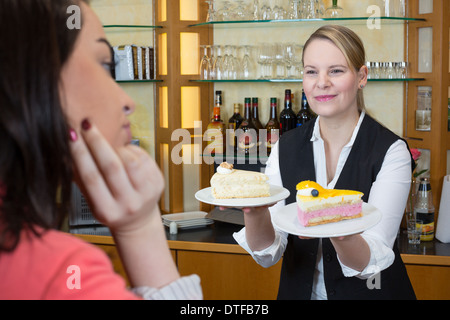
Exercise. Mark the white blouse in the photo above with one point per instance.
(388, 194)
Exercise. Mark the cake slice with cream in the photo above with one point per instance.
(317, 205)
(228, 183)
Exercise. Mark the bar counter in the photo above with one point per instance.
(228, 271)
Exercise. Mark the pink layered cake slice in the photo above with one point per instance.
(317, 205)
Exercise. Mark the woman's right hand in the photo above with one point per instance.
(122, 186)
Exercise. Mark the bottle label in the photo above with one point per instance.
(427, 219)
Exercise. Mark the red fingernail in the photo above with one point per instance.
(85, 124)
(73, 135)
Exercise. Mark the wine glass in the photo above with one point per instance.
(247, 64)
(229, 64)
(290, 59)
(210, 16)
(266, 11)
(294, 9)
(205, 64)
(265, 55)
(298, 64)
(225, 13)
(279, 61)
(256, 10)
(240, 12)
(278, 11)
(218, 63)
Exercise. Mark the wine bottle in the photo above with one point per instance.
(247, 135)
(272, 126)
(288, 119)
(304, 115)
(215, 129)
(233, 123)
(255, 115)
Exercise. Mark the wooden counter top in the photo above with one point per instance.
(218, 238)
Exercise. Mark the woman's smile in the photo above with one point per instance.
(325, 98)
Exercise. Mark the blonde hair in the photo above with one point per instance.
(350, 45)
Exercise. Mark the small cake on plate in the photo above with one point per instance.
(317, 205)
(229, 183)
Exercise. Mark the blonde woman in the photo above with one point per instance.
(343, 148)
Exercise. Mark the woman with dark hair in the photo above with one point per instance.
(64, 118)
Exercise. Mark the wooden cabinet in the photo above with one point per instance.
(230, 276)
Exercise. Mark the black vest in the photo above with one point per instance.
(359, 172)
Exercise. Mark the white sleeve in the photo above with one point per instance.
(388, 194)
(184, 288)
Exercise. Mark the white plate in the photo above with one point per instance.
(187, 219)
(277, 193)
(184, 216)
(286, 220)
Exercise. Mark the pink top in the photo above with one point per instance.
(58, 266)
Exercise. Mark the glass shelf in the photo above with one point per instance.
(137, 81)
(130, 26)
(355, 19)
(299, 80)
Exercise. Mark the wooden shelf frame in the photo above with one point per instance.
(168, 17)
(436, 140)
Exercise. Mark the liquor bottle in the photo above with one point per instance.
(424, 209)
(255, 114)
(247, 135)
(304, 115)
(272, 126)
(216, 129)
(288, 119)
(233, 124)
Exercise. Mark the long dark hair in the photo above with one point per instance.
(35, 159)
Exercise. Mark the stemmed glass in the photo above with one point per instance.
(225, 13)
(294, 9)
(256, 10)
(240, 12)
(247, 64)
(279, 61)
(205, 64)
(210, 16)
(265, 59)
(265, 12)
(289, 59)
(230, 63)
(218, 63)
(278, 11)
